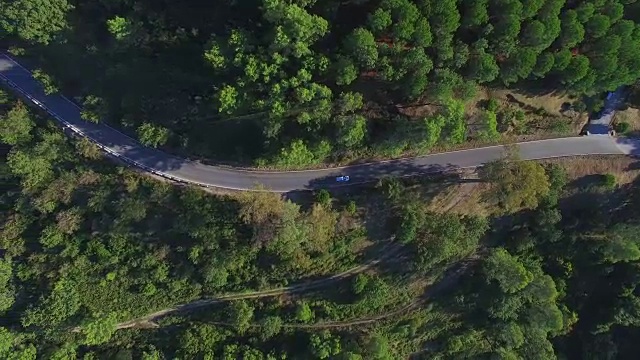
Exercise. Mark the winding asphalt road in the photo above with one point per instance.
(20, 80)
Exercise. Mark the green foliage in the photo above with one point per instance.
(269, 68)
(609, 181)
(622, 127)
(492, 105)
(271, 326)
(119, 27)
(353, 132)
(241, 314)
(380, 20)
(80, 237)
(438, 240)
(7, 294)
(304, 313)
(296, 155)
(483, 67)
(100, 329)
(507, 271)
(16, 126)
(361, 46)
(227, 99)
(46, 81)
(489, 121)
(13, 347)
(515, 184)
(324, 345)
(93, 109)
(36, 21)
(346, 71)
(153, 135)
(323, 197)
(200, 340)
(598, 25)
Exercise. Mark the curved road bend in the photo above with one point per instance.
(19, 79)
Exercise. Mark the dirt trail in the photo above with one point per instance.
(147, 321)
(392, 248)
(450, 279)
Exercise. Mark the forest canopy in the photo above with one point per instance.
(293, 83)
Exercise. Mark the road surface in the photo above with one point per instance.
(601, 124)
(19, 79)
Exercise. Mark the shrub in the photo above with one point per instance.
(609, 181)
(492, 105)
(323, 197)
(622, 127)
(351, 207)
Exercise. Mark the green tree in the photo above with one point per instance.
(598, 25)
(93, 109)
(296, 154)
(544, 64)
(33, 170)
(531, 7)
(227, 99)
(271, 326)
(304, 313)
(361, 46)
(13, 347)
(378, 348)
(153, 135)
(490, 121)
(16, 126)
(380, 20)
(475, 13)
(295, 28)
(46, 81)
(36, 21)
(585, 11)
(519, 65)
(7, 290)
(352, 131)
(100, 329)
(572, 32)
(346, 71)
(241, 314)
(201, 340)
(577, 69)
(510, 275)
(483, 67)
(515, 184)
(63, 302)
(324, 345)
(533, 34)
(119, 27)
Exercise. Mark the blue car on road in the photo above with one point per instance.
(343, 178)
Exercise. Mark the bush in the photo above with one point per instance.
(609, 181)
(351, 207)
(492, 105)
(622, 127)
(579, 106)
(323, 197)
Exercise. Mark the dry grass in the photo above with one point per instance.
(630, 116)
(465, 198)
(551, 103)
(622, 167)
(471, 202)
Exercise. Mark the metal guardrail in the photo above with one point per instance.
(102, 147)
